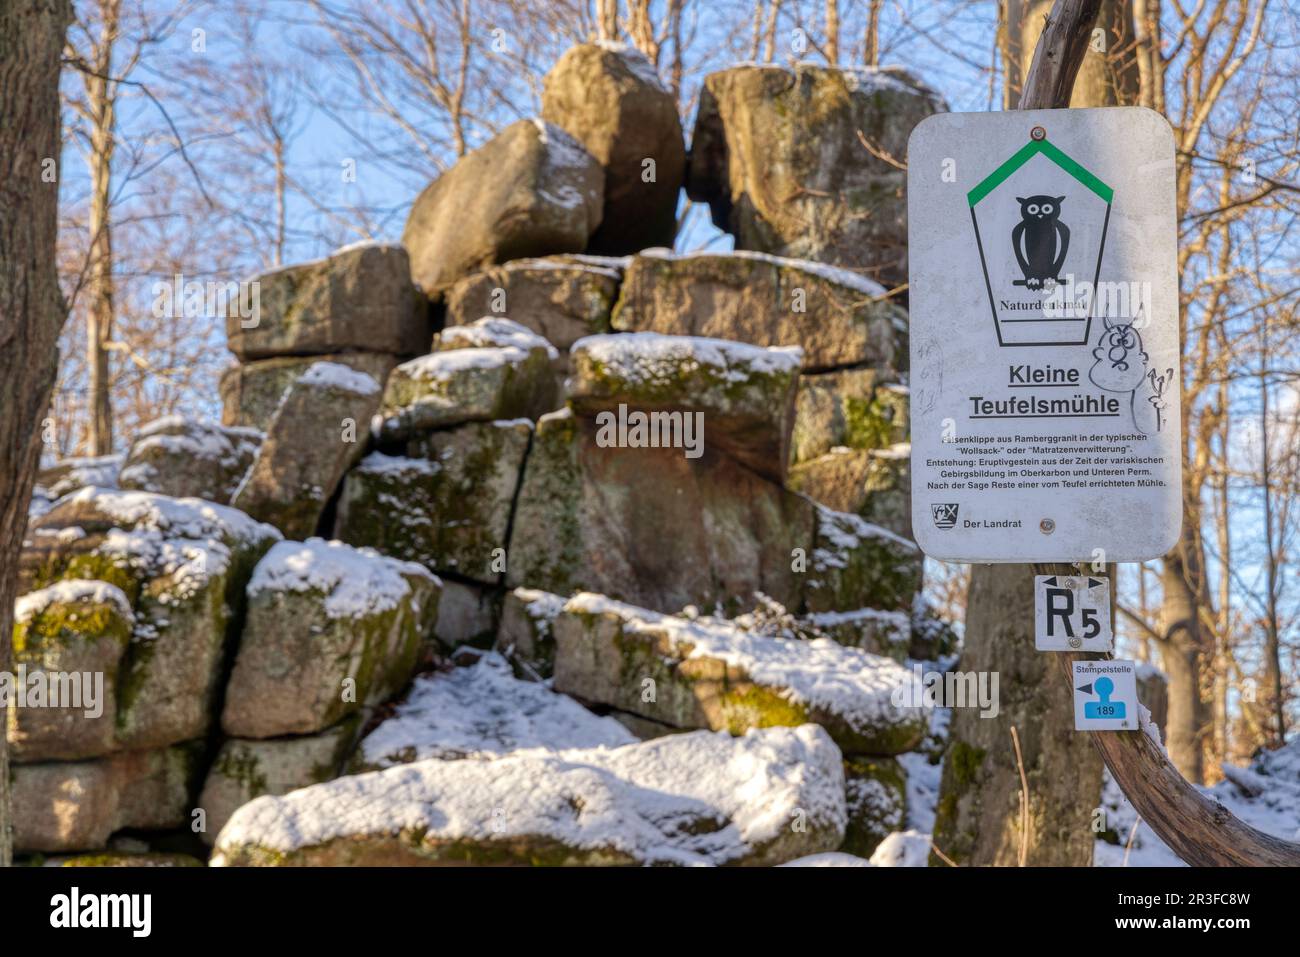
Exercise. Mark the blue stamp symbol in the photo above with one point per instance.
(1103, 708)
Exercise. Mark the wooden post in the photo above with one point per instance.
(1198, 830)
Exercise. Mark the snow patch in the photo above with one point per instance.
(637, 62)
(651, 357)
(442, 366)
(68, 592)
(357, 582)
(495, 331)
(485, 711)
(335, 375)
(690, 799)
(835, 274)
(822, 674)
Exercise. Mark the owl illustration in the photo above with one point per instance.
(1040, 240)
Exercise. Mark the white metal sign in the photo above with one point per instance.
(1072, 613)
(1105, 696)
(1044, 336)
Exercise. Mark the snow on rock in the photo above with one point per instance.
(840, 276)
(562, 150)
(636, 61)
(68, 475)
(742, 396)
(526, 634)
(471, 384)
(853, 558)
(69, 591)
(651, 357)
(183, 517)
(713, 674)
(692, 799)
(377, 463)
(829, 859)
(335, 375)
(492, 331)
(484, 711)
(442, 366)
(903, 849)
(150, 536)
(357, 582)
(184, 457)
(324, 616)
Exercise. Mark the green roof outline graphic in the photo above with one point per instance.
(1023, 156)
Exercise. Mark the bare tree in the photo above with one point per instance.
(97, 39)
(871, 38)
(832, 45)
(105, 44)
(31, 305)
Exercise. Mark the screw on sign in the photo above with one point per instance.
(1072, 613)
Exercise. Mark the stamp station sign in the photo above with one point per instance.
(1044, 336)
(1072, 613)
(1105, 696)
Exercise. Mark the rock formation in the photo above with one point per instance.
(610, 567)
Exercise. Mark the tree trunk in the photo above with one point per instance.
(1180, 658)
(101, 97)
(833, 32)
(769, 41)
(31, 306)
(607, 19)
(1109, 74)
(978, 820)
(871, 42)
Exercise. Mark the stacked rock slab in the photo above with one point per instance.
(319, 429)
(609, 97)
(80, 628)
(460, 418)
(531, 190)
(709, 673)
(491, 370)
(330, 632)
(836, 317)
(189, 458)
(871, 483)
(854, 342)
(359, 299)
(691, 799)
(138, 593)
(742, 397)
(809, 161)
(78, 805)
(357, 307)
(655, 510)
(330, 629)
(644, 511)
(251, 391)
(561, 298)
(245, 769)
